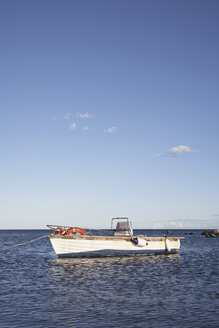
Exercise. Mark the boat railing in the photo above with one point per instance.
(89, 231)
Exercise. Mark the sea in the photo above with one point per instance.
(38, 289)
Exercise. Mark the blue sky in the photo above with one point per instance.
(107, 109)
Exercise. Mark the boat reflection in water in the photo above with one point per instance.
(109, 291)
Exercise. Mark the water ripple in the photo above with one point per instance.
(40, 290)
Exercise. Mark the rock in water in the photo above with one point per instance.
(211, 233)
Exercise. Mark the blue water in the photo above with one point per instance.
(40, 290)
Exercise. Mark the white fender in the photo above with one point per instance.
(140, 242)
(167, 244)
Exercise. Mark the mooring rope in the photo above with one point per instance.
(21, 244)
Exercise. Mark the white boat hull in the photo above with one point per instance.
(92, 246)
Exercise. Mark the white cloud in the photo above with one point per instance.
(176, 150)
(111, 130)
(86, 115)
(181, 149)
(67, 116)
(167, 225)
(86, 128)
(54, 117)
(176, 224)
(73, 126)
(193, 223)
(158, 155)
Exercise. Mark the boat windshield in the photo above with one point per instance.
(123, 226)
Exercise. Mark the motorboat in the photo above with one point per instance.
(119, 241)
